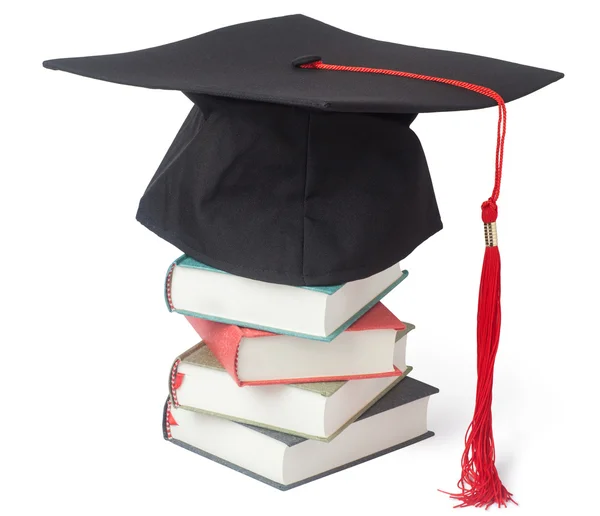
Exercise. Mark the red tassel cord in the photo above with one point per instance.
(479, 485)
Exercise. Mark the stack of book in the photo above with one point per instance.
(290, 384)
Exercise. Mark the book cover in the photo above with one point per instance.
(224, 340)
(406, 392)
(189, 263)
(201, 356)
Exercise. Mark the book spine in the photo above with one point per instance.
(169, 421)
(168, 284)
(226, 350)
(223, 341)
(235, 376)
(175, 381)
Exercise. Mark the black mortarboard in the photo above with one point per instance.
(289, 169)
(290, 175)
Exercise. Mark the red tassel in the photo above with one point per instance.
(480, 484)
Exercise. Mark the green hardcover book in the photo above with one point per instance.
(319, 410)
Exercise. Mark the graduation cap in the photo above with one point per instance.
(297, 163)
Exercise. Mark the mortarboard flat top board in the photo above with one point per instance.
(292, 175)
(254, 61)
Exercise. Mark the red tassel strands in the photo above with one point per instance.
(479, 485)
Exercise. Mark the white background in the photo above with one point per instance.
(87, 341)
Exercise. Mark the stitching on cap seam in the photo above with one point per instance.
(304, 197)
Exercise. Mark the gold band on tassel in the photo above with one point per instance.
(491, 235)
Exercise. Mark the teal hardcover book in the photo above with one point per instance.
(313, 312)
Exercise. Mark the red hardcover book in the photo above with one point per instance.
(367, 349)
